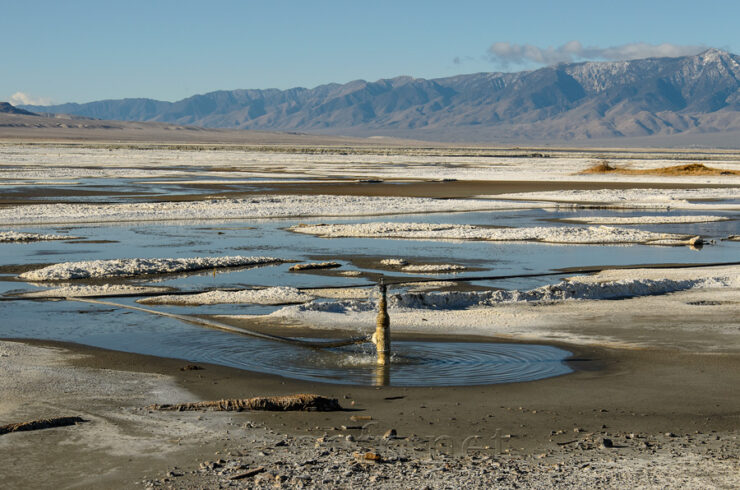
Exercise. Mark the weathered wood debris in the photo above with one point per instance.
(40, 424)
(300, 402)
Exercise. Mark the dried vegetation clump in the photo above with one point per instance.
(691, 169)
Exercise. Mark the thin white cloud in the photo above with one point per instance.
(507, 53)
(21, 98)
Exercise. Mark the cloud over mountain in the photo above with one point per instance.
(21, 98)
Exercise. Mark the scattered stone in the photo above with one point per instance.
(191, 367)
(358, 418)
(368, 456)
(390, 434)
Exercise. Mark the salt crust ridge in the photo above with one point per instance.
(550, 234)
(253, 208)
(92, 269)
(603, 286)
(634, 198)
(15, 236)
(75, 291)
(644, 220)
(280, 295)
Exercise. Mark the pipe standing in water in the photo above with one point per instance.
(382, 336)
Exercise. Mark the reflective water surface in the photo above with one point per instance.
(415, 363)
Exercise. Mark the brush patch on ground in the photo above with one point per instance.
(94, 269)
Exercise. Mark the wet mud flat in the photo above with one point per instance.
(622, 416)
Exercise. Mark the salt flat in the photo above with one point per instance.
(478, 245)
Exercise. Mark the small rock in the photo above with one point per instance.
(390, 434)
(368, 456)
(605, 442)
(191, 367)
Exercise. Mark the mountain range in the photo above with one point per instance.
(565, 102)
(6, 108)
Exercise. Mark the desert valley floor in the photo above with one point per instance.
(557, 316)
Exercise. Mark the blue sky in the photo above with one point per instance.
(78, 51)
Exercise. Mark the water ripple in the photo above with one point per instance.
(414, 363)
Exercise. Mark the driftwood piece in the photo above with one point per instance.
(315, 265)
(304, 402)
(248, 474)
(40, 424)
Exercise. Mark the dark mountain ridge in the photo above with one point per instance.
(7, 108)
(655, 96)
